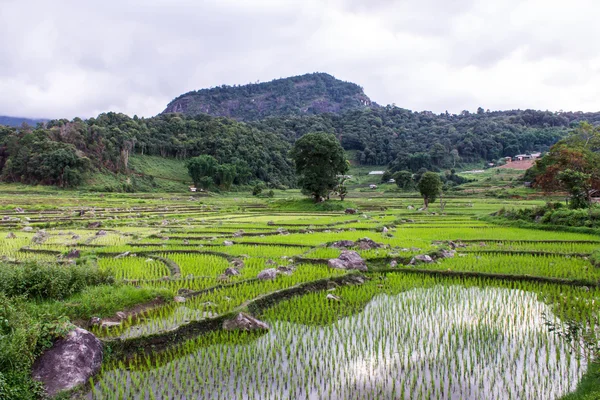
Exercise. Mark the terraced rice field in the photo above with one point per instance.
(474, 325)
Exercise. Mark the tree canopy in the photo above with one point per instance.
(430, 186)
(573, 165)
(319, 159)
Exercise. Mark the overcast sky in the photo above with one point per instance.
(66, 58)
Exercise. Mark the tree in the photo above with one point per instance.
(404, 180)
(578, 184)
(429, 186)
(319, 159)
(200, 167)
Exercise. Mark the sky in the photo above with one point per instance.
(73, 58)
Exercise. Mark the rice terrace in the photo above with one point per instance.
(436, 304)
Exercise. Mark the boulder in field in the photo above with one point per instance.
(94, 225)
(231, 272)
(348, 260)
(101, 233)
(11, 235)
(350, 211)
(267, 274)
(19, 210)
(367, 244)
(73, 254)
(244, 322)
(70, 362)
(343, 244)
(179, 299)
(227, 243)
(421, 258)
(447, 253)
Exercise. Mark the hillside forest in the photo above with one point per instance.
(64, 152)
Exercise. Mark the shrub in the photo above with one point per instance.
(49, 281)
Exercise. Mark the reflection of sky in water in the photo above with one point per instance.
(439, 343)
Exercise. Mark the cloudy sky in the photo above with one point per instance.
(67, 58)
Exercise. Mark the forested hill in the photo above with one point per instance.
(18, 121)
(413, 140)
(308, 94)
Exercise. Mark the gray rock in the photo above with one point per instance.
(343, 244)
(94, 225)
(227, 243)
(121, 315)
(393, 264)
(267, 274)
(95, 321)
(19, 210)
(123, 255)
(238, 234)
(421, 258)
(71, 362)
(231, 272)
(367, 244)
(179, 299)
(237, 263)
(11, 235)
(287, 270)
(447, 253)
(385, 230)
(348, 260)
(350, 211)
(101, 233)
(40, 237)
(332, 297)
(73, 254)
(244, 322)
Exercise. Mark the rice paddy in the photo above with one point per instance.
(473, 324)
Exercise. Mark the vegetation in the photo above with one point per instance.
(573, 164)
(430, 186)
(320, 160)
(306, 94)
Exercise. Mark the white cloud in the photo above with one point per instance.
(70, 58)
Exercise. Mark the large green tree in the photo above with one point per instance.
(319, 159)
(430, 186)
(573, 165)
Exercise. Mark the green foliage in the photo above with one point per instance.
(404, 180)
(555, 214)
(23, 336)
(319, 159)
(48, 281)
(430, 186)
(258, 189)
(578, 185)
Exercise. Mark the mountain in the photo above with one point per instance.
(308, 94)
(18, 121)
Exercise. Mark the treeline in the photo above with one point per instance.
(408, 140)
(60, 152)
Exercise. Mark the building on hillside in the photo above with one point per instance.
(376, 172)
(193, 189)
(392, 180)
(521, 157)
(372, 186)
(535, 155)
(508, 159)
(595, 196)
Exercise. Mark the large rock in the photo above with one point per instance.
(348, 260)
(93, 225)
(367, 244)
(267, 274)
(350, 211)
(71, 362)
(343, 244)
(244, 322)
(231, 272)
(421, 258)
(447, 253)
